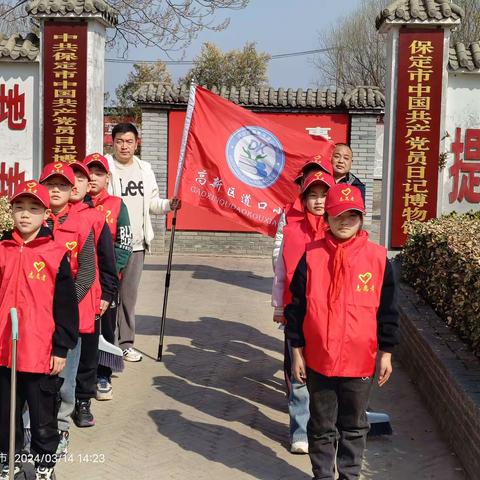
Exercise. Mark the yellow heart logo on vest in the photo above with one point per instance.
(71, 245)
(347, 191)
(39, 266)
(365, 277)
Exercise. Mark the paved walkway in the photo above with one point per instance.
(215, 408)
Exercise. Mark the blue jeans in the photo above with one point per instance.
(298, 409)
(67, 392)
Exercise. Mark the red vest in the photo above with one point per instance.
(296, 236)
(72, 235)
(294, 211)
(110, 206)
(346, 344)
(88, 309)
(27, 282)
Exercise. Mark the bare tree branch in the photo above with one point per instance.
(166, 24)
(358, 50)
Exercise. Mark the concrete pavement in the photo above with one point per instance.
(215, 407)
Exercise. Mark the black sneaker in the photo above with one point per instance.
(82, 416)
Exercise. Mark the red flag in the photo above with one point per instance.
(240, 165)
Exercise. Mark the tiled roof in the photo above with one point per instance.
(17, 47)
(73, 7)
(420, 11)
(464, 57)
(362, 98)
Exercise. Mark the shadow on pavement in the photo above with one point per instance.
(239, 278)
(223, 445)
(222, 405)
(226, 355)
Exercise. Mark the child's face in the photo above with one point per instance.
(60, 190)
(345, 226)
(315, 198)
(99, 179)
(82, 187)
(28, 216)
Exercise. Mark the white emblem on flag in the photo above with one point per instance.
(255, 156)
(202, 177)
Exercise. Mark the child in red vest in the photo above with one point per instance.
(108, 282)
(116, 215)
(294, 212)
(35, 277)
(342, 311)
(76, 235)
(296, 236)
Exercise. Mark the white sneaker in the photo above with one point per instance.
(131, 355)
(299, 447)
(44, 473)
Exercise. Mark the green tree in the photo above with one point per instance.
(238, 68)
(142, 73)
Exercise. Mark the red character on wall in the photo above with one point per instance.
(10, 178)
(12, 107)
(466, 172)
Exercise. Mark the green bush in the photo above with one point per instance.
(6, 221)
(441, 260)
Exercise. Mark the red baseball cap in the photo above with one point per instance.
(80, 167)
(318, 161)
(343, 197)
(33, 189)
(96, 158)
(58, 168)
(318, 177)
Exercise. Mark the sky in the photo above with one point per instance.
(277, 26)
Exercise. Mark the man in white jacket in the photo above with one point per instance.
(134, 181)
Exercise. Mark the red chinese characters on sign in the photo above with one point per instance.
(65, 94)
(10, 178)
(12, 107)
(419, 96)
(465, 173)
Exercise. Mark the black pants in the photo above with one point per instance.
(108, 325)
(42, 394)
(87, 368)
(337, 416)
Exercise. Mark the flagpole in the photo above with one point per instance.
(181, 160)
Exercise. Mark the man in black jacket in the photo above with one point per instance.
(342, 159)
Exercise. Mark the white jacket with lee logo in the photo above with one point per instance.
(152, 203)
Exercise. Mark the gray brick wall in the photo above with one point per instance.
(155, 151)
(222, 243)
(363, 136)
(446, 374)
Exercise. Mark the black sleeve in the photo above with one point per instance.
(107, 265)
(387, 315)
(295, 311)
(65, 311)
(86, 267)
(362, 189)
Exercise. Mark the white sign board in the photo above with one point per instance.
(461, 175)
(19, 128)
